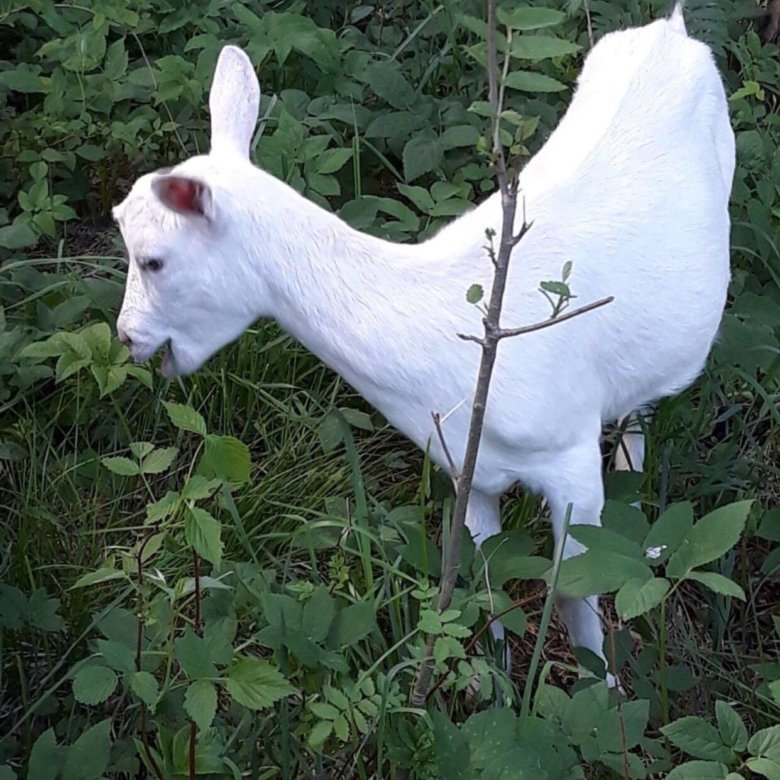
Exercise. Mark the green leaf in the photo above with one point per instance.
(352, 624)
(256, 684)
(475, 293)
(541, 47)
(105, 574)
(319, 734)
(117, 655)
(597, 571)
(94, 684)
(668, 532)
(319, 612)
(185, 418)
(530, 81)
(122, 466)
(765, 767)
(203, 532)
(17, 236)
(193, 656)
(625, 724)
(163, 508)
(527, 17)
(698, 738)
(160, 460)
(198, 487)
(200, 703)
(730, 727)
(639, 596)
(717, 583)
(422, 153)
(698, 770)
(46, 758)
(87, 757)
(225, 457)
(387, 81)
(145, 687)
(458, 136)
(332, 160)
(765, 742)
(713, 536)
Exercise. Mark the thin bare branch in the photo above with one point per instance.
(505, 333)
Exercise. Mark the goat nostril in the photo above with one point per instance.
(124, 337)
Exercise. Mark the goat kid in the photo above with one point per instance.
(632, 188)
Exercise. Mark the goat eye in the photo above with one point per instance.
(152, 264)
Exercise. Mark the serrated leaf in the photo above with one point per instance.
(717, 583)
(697, 738)
(351, 625)
(256, 684)
(422, 153)
(185, 418)
(192, 654)
(387, 81)
(530, 81)
(225, 457)
(94, 684)
(162, 508)
(122, 466)
(198, 487)
(159, 460)
(320, 733)
(730, 726)
(145, 687)
(204, 533)
(639, 596)
(200, 703)
(141, 449)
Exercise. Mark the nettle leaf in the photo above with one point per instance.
(718, 583)
(145, 687)
(88, 756)
(713, 536)
(387, 81)
(730, 727)
(257, 684)
(352, 624)
(698, 770)
(122, 466)
(530, 81)
(203, 532)
(225, 457)
(639, 596)
(698, 738)
(192, 654)
(422, 153)
(200, 703)
(185, 418)
(159, 460)
(94, 684)
(598, 571)
(163, 508)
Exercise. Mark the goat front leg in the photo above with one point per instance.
(574, 477)
(483, 519)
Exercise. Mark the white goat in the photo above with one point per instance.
(632, 188)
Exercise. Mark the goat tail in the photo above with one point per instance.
(677, 20)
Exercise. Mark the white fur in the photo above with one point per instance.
(632, 188)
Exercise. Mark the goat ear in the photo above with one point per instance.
(183, 195)
(234, 102)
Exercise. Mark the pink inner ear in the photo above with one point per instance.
(183, 195)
